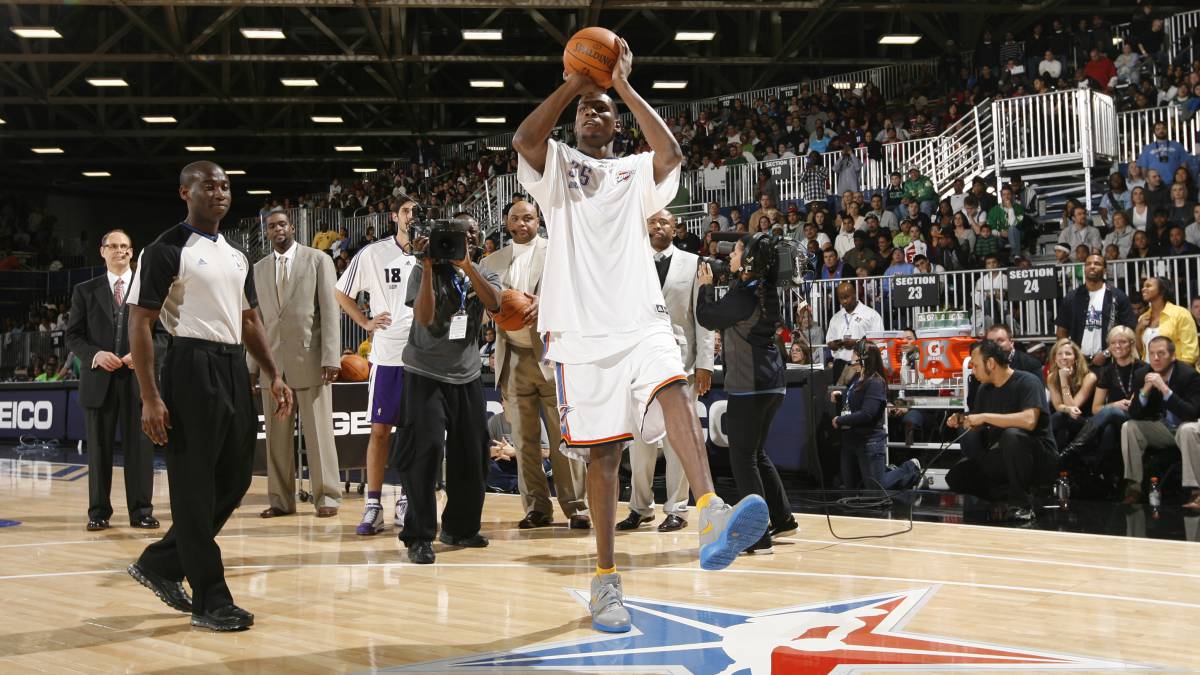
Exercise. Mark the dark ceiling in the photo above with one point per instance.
(393, 70)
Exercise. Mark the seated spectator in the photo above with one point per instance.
(920, 189)
(885, 217)
(685, 240)
(1158, 193)
(1097, 446)
(832, 267)
(1182, 208)
(1081, 231)
(1127, 64)
(845, 238)
(949, 254)
(862, 256)
(1192, 231)
(1071, 385)
(1159, 231)
(714, 214)
(1050, 67)
(1141, 247)
(1008, 448)
(1004, 219)
(1140, 213)
(924, 266)
(1101, 69)
(813, 233)
(1121, 236)
(1116, 198)
(894, 196)
(1177, 243)
(1168, 395)
(986, 244)
(916, 243)
(1165, 318)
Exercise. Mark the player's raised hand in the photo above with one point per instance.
(624, 65)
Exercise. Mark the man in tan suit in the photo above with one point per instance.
(295, 298)
(677, 274)
(529, 397)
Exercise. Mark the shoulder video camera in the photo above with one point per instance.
(447, 236)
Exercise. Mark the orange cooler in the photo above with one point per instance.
(943, 356)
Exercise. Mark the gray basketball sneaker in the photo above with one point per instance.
(608, 604)
(726, 531)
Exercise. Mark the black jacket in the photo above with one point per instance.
(867, 401)
(749, 353)
(1072, 313)
(1185, 396)
(96, 325)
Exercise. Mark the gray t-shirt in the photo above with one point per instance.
(430, 351)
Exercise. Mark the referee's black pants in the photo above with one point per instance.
(434, 411)
(210, 456)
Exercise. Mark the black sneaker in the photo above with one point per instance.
(476, 541)
(761, 547)
(170, 592)
(224, 619)
(786, 528)
(421, 553)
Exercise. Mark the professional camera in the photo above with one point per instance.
(447, 236)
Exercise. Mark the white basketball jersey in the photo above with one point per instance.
(381, 269)
(599, 288)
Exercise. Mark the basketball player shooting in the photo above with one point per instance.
(617, 365)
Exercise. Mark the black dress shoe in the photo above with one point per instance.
(421, 553)
(634, 521)
(145, 523)
(580, 523)
(97, 525)
(672, 523)
(786, 528)
(535, 519)
(224, 619)
(170, 592)
(477, 541)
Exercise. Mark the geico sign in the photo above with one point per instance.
(26, 415)
(356, 423)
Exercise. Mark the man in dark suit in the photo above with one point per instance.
(97, 332)
(1168, 395)
(1087, 314)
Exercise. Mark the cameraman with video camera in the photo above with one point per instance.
(443, 397)
(747, 316)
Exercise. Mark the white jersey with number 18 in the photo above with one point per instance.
(600, 290)
(381, 269)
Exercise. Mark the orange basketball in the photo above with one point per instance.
(354, 369)
(512, 310)
(592, 52)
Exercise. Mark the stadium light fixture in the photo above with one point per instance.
(258, 192)
(670, 84)
(364, 169)
(159, 119)
(262, 33)
(97, 174)
(482, 34)
(327, 119)
(348, 148)
(47, 151)
(107, 82)
(200, 148)
(298, 81)
(235, 172)
(899, 39)
(36, 32)
(491, 120)
(487, 84)
(496, 148)
(849, 85)
(2, 121)
(694, 35)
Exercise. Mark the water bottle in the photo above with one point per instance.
(1062, 490)
(904, 374)
(1155, 494)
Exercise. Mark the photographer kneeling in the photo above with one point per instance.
(443, 398)
(864, 436)
(754, 372)
(1008, 447)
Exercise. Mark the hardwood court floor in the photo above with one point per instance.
(328, 601)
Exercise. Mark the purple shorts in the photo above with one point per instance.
(384, 394)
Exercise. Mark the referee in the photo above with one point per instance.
(202, 288)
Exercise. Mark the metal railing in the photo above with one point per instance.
(1176, 30)
(1136, 129)
(1038, 129)
(963, 150)
(984, 293)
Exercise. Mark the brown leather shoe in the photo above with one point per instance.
(326, 511)
(272, 512)
(580, 523)
(535, 519)
(672, 523)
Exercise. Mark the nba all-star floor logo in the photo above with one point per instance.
(846, 636)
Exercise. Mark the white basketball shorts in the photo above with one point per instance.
(611, 399)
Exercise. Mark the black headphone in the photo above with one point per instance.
(860, 348)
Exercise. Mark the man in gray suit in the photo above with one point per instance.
(295, 298)
(529, 396)
(677, 274)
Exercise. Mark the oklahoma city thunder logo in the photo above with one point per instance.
(623, 176)
(847, 636)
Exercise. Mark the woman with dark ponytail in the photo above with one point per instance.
(747, 317)
(864, 436)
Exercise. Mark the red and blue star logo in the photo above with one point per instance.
(847, 636)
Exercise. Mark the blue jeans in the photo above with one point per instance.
(1108, 423)
(928, 206)
(870, 459)
(1014, 239)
